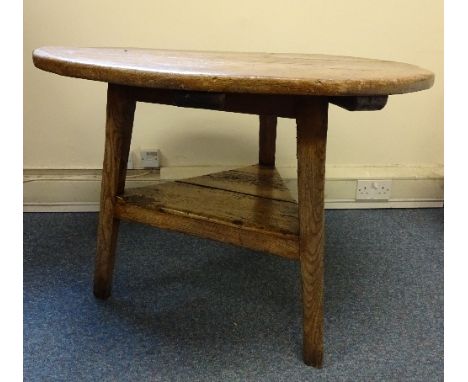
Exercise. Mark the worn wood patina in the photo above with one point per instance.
(250, 206)
(267, 73)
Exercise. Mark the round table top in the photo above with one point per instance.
(261, 73)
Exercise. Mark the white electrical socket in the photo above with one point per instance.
(373, 189)
(130, 164)
(150, 158)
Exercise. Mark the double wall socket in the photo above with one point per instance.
(373, 189)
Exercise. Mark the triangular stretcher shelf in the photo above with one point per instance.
(250, 207)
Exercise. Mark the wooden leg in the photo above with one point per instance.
(311, 147)
(119, 124)
(267, 140)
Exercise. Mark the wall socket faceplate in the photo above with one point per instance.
(150, 158)
(373, 189)
(130, 165)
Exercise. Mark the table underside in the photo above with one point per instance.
(249, 207)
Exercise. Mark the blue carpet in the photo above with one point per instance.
(188, 309)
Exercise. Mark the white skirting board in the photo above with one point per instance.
(78, 190)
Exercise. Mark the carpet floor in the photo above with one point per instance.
(188, 309)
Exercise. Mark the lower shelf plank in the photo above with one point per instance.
(251, 180)
(260, 220)
(281, 246)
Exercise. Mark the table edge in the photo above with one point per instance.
(229, 84)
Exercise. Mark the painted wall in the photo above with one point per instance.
(64, 117)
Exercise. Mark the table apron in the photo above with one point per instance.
(285, 106)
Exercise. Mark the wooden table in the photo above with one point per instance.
(249, 206)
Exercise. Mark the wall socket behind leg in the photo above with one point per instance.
(150, 158)
(130, 165)
(373, 189)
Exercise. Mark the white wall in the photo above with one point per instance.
(64, 117)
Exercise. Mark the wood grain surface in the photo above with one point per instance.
(119, 125)
(250, 180)
(311, 148)
(232, 206)
(267, 73)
